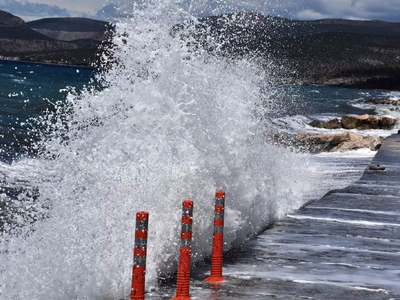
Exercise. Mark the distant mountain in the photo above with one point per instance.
(64, 45)
(69, 29)
(331, 51)
(13, 27)
(326, 52)
(346, 26)
(70, 24)
(29, 10)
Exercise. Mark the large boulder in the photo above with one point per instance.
(386, 122)
(371, 142)
(333, 139)
(363, 117)
(332, 124)
(361, 123)
(375, 142)
(348, 122)
(339, 142)
(367, 122)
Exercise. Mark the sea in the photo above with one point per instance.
(82, 150)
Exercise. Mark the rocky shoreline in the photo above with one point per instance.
(363, 122)
(315, 143)
(383, 101)
(339, 142)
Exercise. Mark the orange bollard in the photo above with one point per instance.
(218, 240)
(139, 256)
(182, 286)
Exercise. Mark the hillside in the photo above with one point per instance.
(70, 29)
(328, 52)
(346, 26)
(12, 27)
(19, 41)
(324, 52)
(347, 59)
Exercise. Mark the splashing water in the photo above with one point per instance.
(172, 124)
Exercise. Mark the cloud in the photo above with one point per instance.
(29, 11)
(310, 14)
(33, 11)
(86, 6)
(388, 10)
(111, 12)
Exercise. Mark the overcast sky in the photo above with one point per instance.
(387, 10)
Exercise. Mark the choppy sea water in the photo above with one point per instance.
(164, 126)
(26, 91)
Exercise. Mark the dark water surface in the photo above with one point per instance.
(27, 90)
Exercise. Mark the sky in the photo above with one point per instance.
(386, 10)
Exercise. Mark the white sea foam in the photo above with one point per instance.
(354, 222)
(361, 288)
(393, 95)
(172, 124)
(375, 212)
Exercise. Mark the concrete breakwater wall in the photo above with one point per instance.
(343, 246)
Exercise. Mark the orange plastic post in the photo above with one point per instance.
(182, 286)
(139, 256)
(218, 239)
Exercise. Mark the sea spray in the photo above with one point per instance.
(171, 124)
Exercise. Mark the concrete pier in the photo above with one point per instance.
(344, 246)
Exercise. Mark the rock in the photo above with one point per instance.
(376, 168)
(332, 124)
(313, 143)
(361, 123)
(382, 101)
(324, 142)
(371, 142)
(348, 122)
(333, 139)
(386, 122)
(363, 117)
(375, 142)
(339, 142)
(367, 122)
(315, 123)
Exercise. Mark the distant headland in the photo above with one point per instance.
(361, 54)
(67, 41)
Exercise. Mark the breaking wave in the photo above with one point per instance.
(172, 123)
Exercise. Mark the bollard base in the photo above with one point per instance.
(214, 279)
(181, 298)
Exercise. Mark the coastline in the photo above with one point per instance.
(350, 83)
(46, 63)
